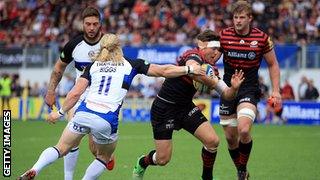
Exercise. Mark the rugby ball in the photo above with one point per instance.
(202, 88)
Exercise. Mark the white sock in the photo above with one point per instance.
(47, 157)
(70, 162)
(94, 170)
(154, 158)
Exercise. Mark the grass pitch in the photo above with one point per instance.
(279, 153)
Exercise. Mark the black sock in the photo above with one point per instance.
(235, 156)
(208, 159)
(244, 152)
(147, 160)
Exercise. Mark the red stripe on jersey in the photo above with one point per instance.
(255, 32)
(243, 62)
(187, 79)
(244, 47)
(255, 43)
(243, 66)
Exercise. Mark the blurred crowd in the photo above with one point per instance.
(40, 23)
(306, 90)
(18, 88)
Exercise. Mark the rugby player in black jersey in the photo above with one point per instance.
(243, 47)
(79, 49)
(173, 109)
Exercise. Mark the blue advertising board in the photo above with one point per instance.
(286, 54)
(293, 112)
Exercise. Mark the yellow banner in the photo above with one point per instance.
(29, 108)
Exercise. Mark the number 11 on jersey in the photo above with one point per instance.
(102, 84)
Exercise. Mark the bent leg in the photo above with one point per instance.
(163, 153)
(111, 163)
(68, 140)
(97, 167)
(51, 154)
(210, 140)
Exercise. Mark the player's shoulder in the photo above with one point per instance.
(191, 52)
(135, 61)
(229, 31)
(73, 42)
(256, 31)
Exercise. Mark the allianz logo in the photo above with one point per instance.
(249, 55)
(154, 55)
(301, 113)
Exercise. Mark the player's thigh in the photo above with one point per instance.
(163, 149)
(228, 113)
(68, 140)
(207, 135)
(163, 120)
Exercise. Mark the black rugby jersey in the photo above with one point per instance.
(244, 52)
(80, 51)
(180, 90)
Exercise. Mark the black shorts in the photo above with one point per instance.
(166, 117)
(230, 107)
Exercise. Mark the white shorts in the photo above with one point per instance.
(85, 123)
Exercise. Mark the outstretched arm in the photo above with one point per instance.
(169, 70)
(71, 99)
(55, 78)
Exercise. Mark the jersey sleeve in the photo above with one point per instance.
(268, 45)
(86, 74)
(66, 53)
(194, 57)
(141, 66)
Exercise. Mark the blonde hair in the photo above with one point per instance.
(110, 49)
(242, 6)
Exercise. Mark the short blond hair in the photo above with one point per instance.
(110, 49)
(242, 6)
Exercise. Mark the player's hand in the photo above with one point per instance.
(198, 70)
(50, 99)
(53, 117)
(237, 79)
(275, 100)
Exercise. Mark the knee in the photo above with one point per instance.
(244, 132)
(212, 142)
